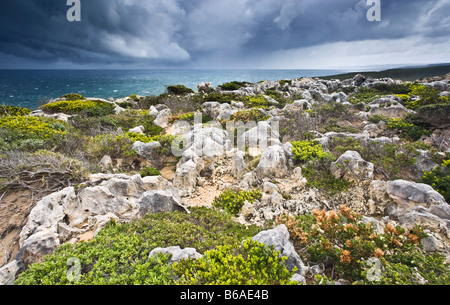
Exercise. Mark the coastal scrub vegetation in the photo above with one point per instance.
(57, 154)
(19, 132)
(90, 107)
(119, 254)
(439, 178)
(232, 201)
(347, 246)
(339, 240)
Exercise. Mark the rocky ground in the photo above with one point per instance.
(210, 163)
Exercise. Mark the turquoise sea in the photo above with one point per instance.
(27, 88)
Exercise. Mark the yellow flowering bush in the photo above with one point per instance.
(233, 201)
(75, 107)
(41, 127)
(257, 101)
(13, 110)
(307, 150)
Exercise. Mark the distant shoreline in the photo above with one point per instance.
(405, 74)
(26, 88)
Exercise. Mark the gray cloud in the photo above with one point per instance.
(206, 33)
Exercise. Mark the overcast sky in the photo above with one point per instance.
(278, 34)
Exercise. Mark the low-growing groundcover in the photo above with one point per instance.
(118, 255)
(232, 201)
(29, 133)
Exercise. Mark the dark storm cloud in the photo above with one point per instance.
(147, 33)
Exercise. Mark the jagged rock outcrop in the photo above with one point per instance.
(352, 167)
(163, 118)
(149, 151)
(273, 163)
(62, 216)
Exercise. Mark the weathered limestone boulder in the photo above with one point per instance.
(179, 128)
(163, 118)
(9, 271)
(149, 151)
(422, 217)
(339, 97)
(177, 254)
(118, 109)
(106, 162)
(273, 163)
(238, 164)
(203, 148)
(153, 112)
(333, 85)
(352, 167)
(138, 130)
(204, 87)
(358, 80)
(159, 202)
(260, 136)
(211, 109)
(279, 238)
(65, 215)
(409, 195)
(37, 246)
(438, 85)
(392, 111)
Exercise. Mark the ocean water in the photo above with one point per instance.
(27, 88)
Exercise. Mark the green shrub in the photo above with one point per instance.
(284, 82)
(394, 161)
(118, 255)
(252, 263)
(249, 115)
(233, 201)
(92, 108)
(149, 172)
(125, 120)
(439, 179)
(256, 101)
(29, 133)
(392, 89)
(407, 129)
(317, 170)
(319, 176)
(276, 95)
(102, 109)
(113, 145)
(179, 90)
(307, 150)
(13, 110)
(428, 95)
(73, 97)
(344, 244)
(435, 115)
(219, 97)
(231, 86)
(364, 95)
